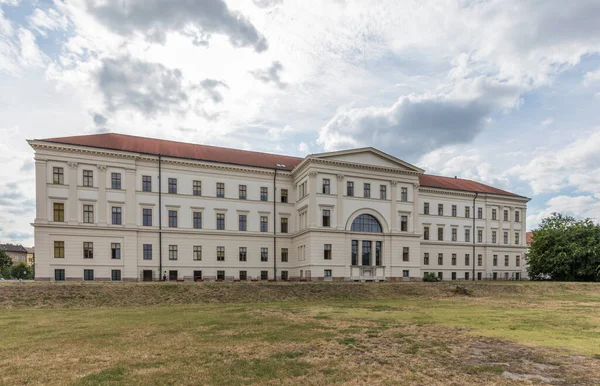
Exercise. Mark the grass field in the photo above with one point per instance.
(308, 333)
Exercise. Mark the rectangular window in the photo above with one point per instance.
(264, 223)
(197, 188)
(115, 275)
(242, 192)
(479, 213)
(59, 275)
(264, 254)
(284, 225)
(367, 190)
(220, 189)
(366, 253)
(453, 210)
(88, 275)
(426, 208)
(440, 209)
(173, 275)
(172, 185)
(378, 256)
(454, 237)
(58, 176)
(493, 237)
(221, 221)
(467, 212)
(505, 215)
(467, 235)
(88, 250)
(264, 275)
(494, 217)
(453, 275)
(466, 275)
(147, 217)
(495, 261)
(327, 252)
(425, 233)
(284, 195)
(467, 259)
(115, 251)
(382, 192)
(404, 223)
(440, 259)
(505, 237)
(517, 216)
(146, 183)
(197, 253)
(516, 238)
(147, 252)
(197, 220)
(59, 212)
(403, 194)
(326, 186)
(88, 178)
(264, 193)
(405, 253)
(327, 273)
(243, 275)
(518, 261)
(354, 252)
(243, 253)
(426, 259)
(172, 219)
(116, 215)
(505, 275)
(172, 252)
(350, 189)
(220, 275)
(302, 190)
(479, 260)
(115, 180)
(326, 218)
(440, 234)
(506, 260)
(284, 255)
(88, 214)
(243, 222)
(220, 253)
(480, 235)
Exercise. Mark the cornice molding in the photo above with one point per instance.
(309, 160)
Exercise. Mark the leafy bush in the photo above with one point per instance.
(430, 277)
(22, 271)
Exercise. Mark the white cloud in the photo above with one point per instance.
(303, 148)
(546, 122)
(576, 206)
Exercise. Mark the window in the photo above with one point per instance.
(147, 254)
(505, 215)
(302, 190)
(115, 180)
(173, 185)
(88, 274)
(147, 217)
(264, 223)
(440, 234)
(505, 237)
(466, 275)
(426, 259)
(284, 195)
(115, 251)
(284, 255)
(493, 237)
(88, 214)
(440, 259)
(242, 192)
(264, 275)
(354, 252)
(197, 188)
(467, 260)
(495, 276)
(467, 212)
(58, 176)
(453, 275)
(367, 190)
(404, 223)
(467, 235)
(59, 212)
(264, 193)
(378, 259)
(382, 192)
(197, 220)
(349, 188)
(405, 253)
(243, 253)
(220, 221)
(88, 250)
(326, 218)
(264, 254)
(516, 238)
(326, 186)
(426, 208)
(59, 275)
(220, 253)
(480, 213)
(327, 252)
(221, 275)
(115, 275)
(366, 223)
(284, 275)
(146, 183)
(518, 261)
(197, 253)
(505, 275)
(327, 273)
(479, 260)
(440, 209)
(453, 210)
(425, 233)
(172, 252)
(243, 275)
(478, 275)
(454, 231)
(506, 260)
(243, 222)
(172, 219)
(404, 194)
(494, 214)
(517, 216)
(88, 178)
(116, 215)
(284, 225)
(517, 276)
(480, 235)
(220, 189)
(440, 275)
(366, 253)
(173, 274)
(495, 261)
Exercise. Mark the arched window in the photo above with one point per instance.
(366, 223)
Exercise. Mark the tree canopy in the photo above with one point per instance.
(565, 249)
(5, 263)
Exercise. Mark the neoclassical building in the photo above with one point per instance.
(118, 207)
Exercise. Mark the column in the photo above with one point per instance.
(41, 197)
(73, 199)
(415, 213)
(312, 199)
(102, 195)
(394, 214)
(130, 204)
(340, 202)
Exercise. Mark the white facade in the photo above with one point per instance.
(75, 208)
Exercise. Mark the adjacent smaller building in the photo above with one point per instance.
(17, 252)
(30, 255)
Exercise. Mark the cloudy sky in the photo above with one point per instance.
(506, 92)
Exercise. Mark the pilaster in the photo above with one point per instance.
(73, 199)
(41, 201)
(312, 200)
(340, 202)
(130, 206)
(394, 214)
(415, 214)
(511, 221)
(101, 195)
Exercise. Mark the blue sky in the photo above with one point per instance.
(503, 92)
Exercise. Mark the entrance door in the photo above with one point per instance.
(147, 275)
(172, 275)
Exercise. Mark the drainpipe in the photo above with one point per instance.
(159, 219)
(474, 198)
(275, 224)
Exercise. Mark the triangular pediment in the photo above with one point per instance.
(368, 156)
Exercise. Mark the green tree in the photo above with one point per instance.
(22, 271)
(565, 249)
(5, 264)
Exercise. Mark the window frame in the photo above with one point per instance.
(264, 254)
(172, 185)
(147, 217)
(196, 188)
(58, 209)
(146, 183)
(115, 251)
(326, 186)
(88, 214)
(242, 192)
(88, 178)
(58, 175)
(327, 253)
(197, 253)
(383, 192)
(88, 250)
(173, 252)
(115, 180)
(350, 188)
(116, 215)
(326, 218)
(220, 221)
(264, 193)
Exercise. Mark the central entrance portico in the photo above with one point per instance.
(369, 265)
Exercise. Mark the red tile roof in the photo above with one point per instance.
(529, 237)
(460, 184)
(179, 150)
